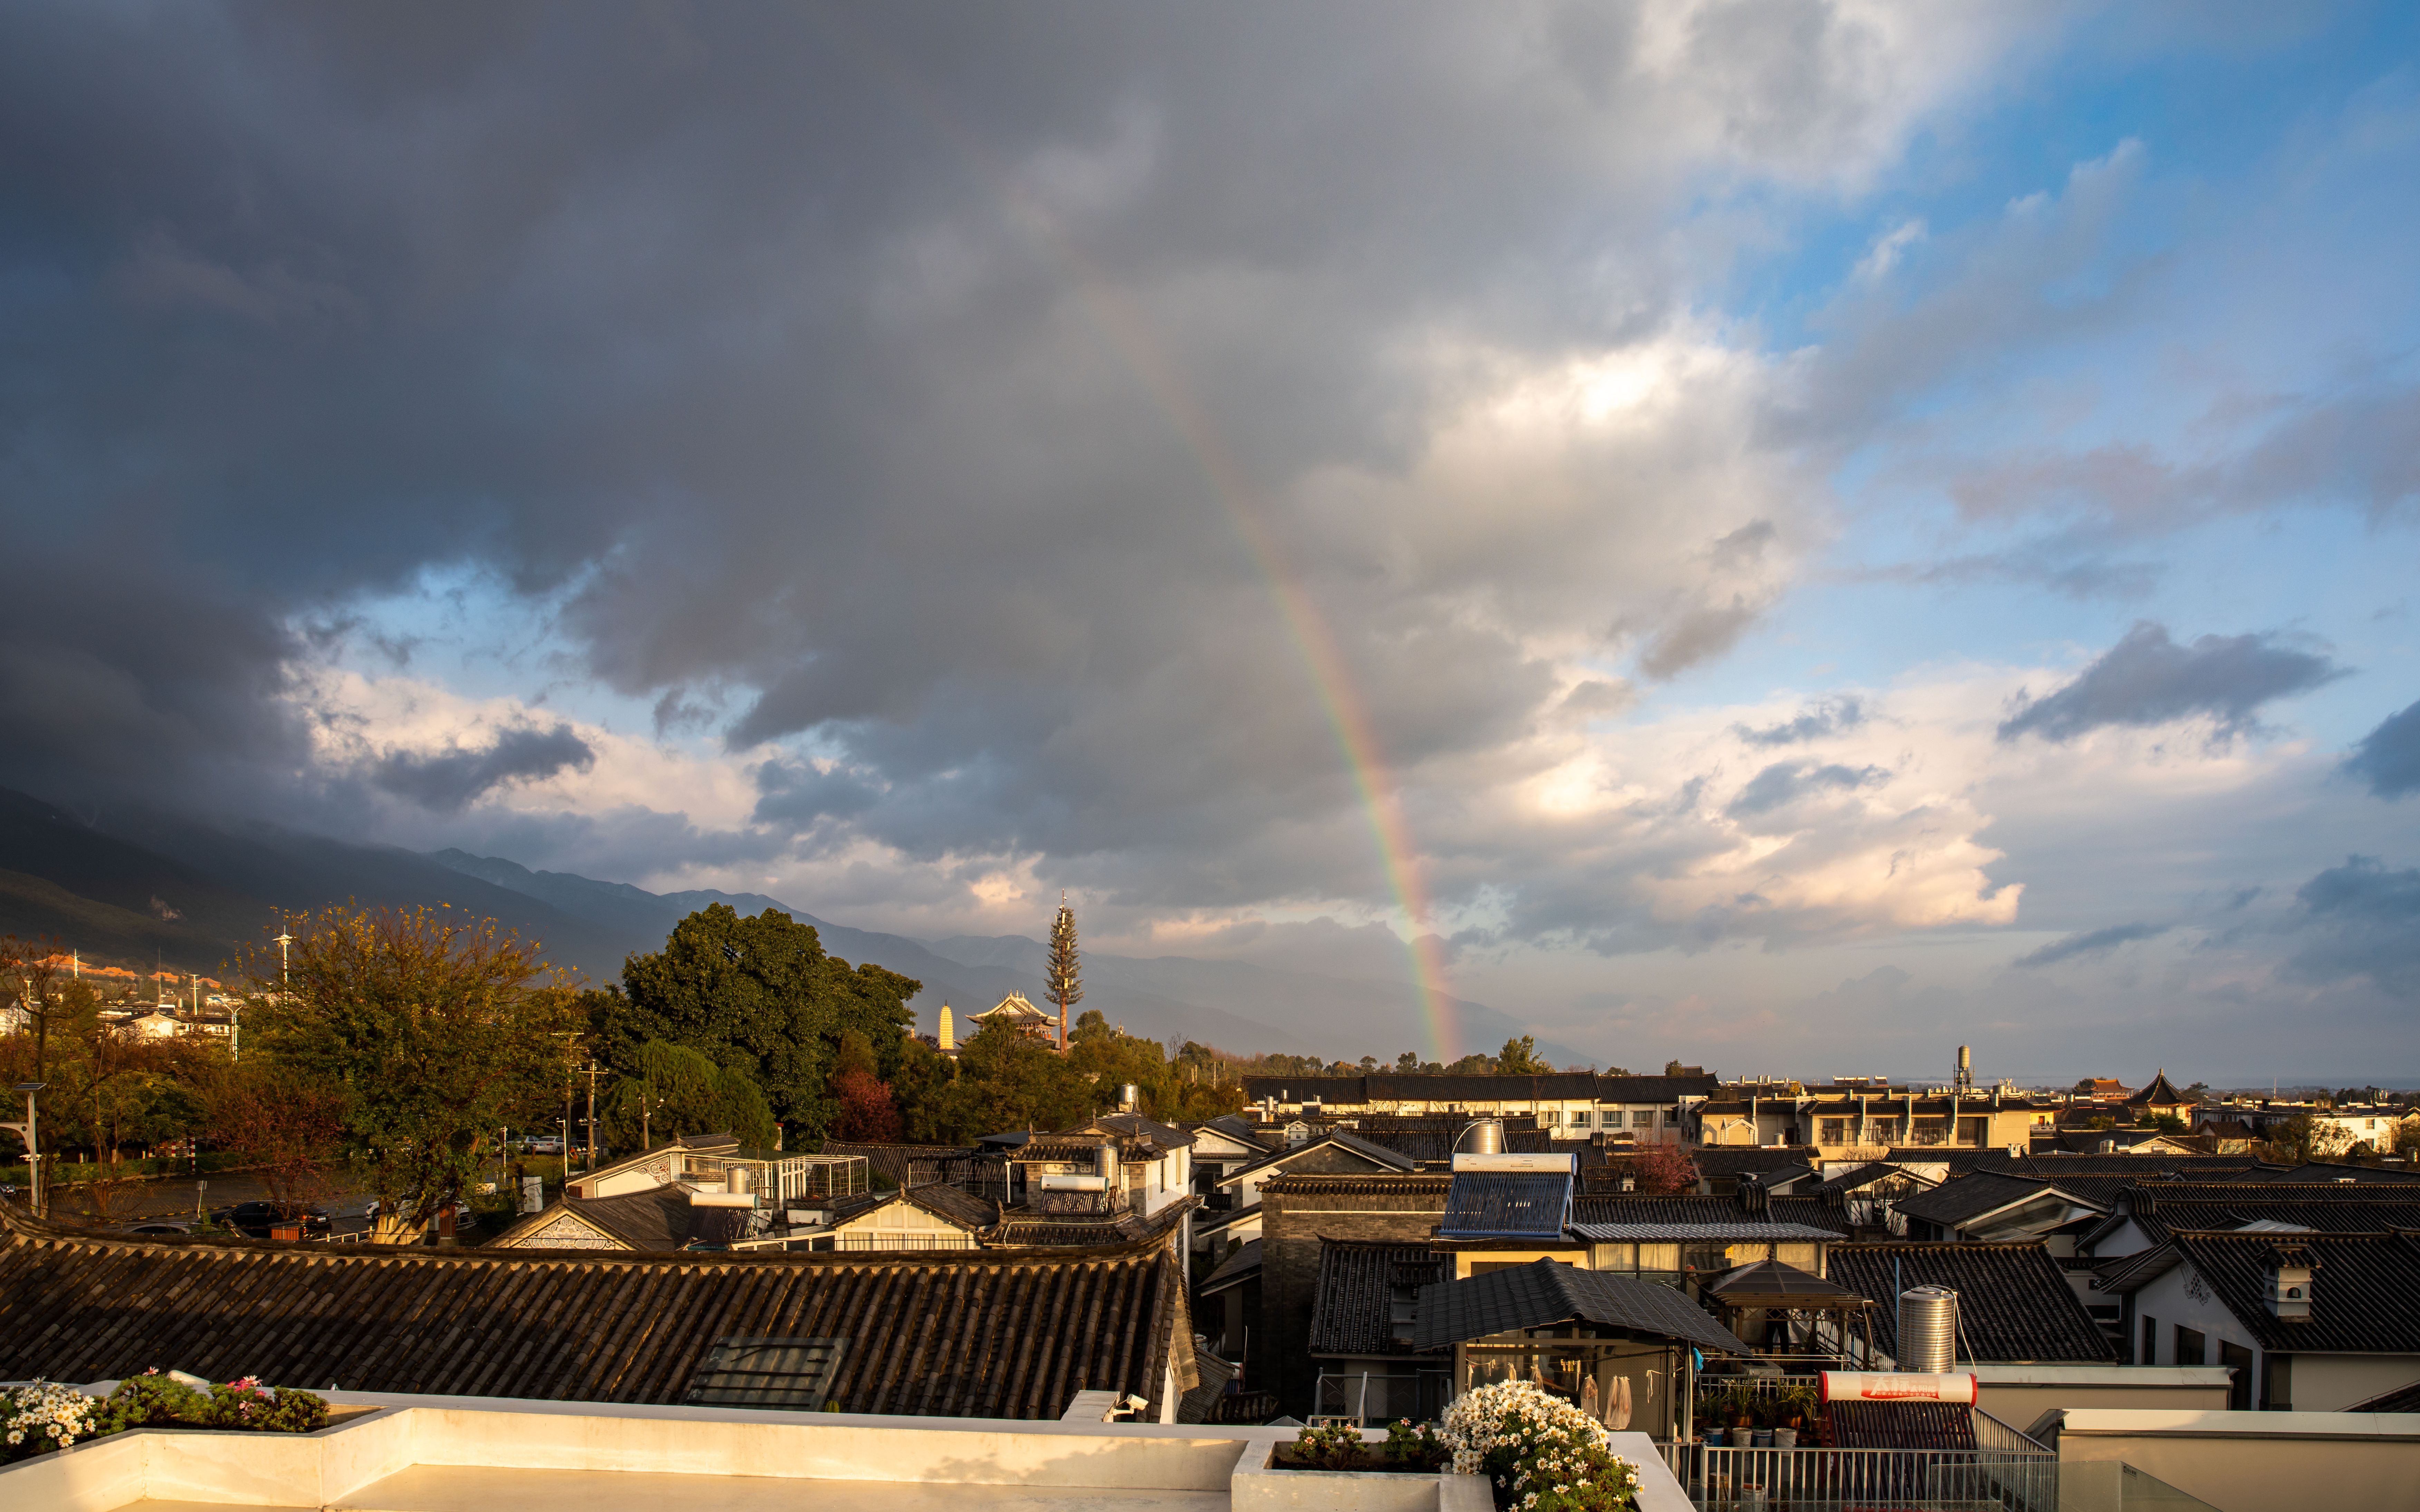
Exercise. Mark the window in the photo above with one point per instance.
(2150, 1340)
(1974, 1131)
(2192, 1349)
(1833, 1132)
(1580, 1119)
(1550, 1118)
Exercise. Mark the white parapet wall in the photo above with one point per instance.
(697, 1450)
(2020, 1395)
(2257, 1462)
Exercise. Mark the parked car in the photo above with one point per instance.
(154, 1226)
(255, 1219)
(543, 1145)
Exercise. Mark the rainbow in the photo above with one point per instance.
(1130, 337)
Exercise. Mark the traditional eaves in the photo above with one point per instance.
(2014, 1304)
(965, 1333)
(1549, 1292)
(1742, 1231)
(2161, 1210)
(1966, 1198)
(2160, 1092)
(1412, 1183)
(1380, 1156)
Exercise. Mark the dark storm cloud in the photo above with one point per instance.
(449, 780)
(809, 358)
(2388, 758)
(1831, 716)
(1785, 782)
(2148, 679)
(2092, 942)
(2363, 920)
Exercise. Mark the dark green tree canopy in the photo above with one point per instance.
(760, 997)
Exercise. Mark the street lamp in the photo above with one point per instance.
(27, 1130)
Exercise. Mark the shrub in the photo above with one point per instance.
(1416, 1443)
(1336, 1447)
(46, 1415)
(1540, 1453)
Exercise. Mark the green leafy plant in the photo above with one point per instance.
(1331, 1447)
(1416, 1443)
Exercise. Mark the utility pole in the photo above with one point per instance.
(29, 1132)
(592, 1068)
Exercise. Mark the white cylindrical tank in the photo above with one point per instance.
(1129, 1097)
(1487, 1136)
(1928, 1329)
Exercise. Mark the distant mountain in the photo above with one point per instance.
(134, 887)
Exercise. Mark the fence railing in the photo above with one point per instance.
(1360, 1396)
(1729, 1479)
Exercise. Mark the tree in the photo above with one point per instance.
(676, 1089)
(1662, 1170)
(757, 995)
(1091, 1025)
(2303, 1138)
(285, 1126)
(1007, 1081)
(433, 1029)
(2167, 1123)
(1407, 1063)
(866, 1110)
(1061, 975)
(1519, 1057)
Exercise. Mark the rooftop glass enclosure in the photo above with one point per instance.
(781, 1175)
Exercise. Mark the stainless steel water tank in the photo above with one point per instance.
(1928, 1329)
(1487, 1137)
(1105, 1161)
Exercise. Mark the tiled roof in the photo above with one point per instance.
(1423, 1183)
(1549, 1292)
(1691, 1208)
(1378, 1155)
(1135, 1126)
(2014, 1304)
(1745, 1231)
(2209, 1207)
(1244, 1263)
(2365, 1288)
(1355, 1310)
(2324, 1171)
(1739, 1160)
(1763, 1283)
(2401, 1399)
(965, 1333)
(2159, 1092)
(1352, 1091)
(1963, 1197)
(1498, 1204)
(655, 1219)
(1636, 1091)
(1810, 1212)
(1864, 1175)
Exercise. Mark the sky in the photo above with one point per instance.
(1787, 536)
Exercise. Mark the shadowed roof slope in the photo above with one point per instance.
(952, 1334)
(1357, 1283)
(1547, 1292)
(2014, 1304)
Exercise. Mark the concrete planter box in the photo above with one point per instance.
(1260, 1485)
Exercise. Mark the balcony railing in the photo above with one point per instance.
(1730, 1479)
(1076, 1204)
(1363, 1398)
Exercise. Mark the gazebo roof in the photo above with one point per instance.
(1773, 1283)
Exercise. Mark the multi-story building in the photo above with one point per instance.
(1568, 1104)
(1863, 1121)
